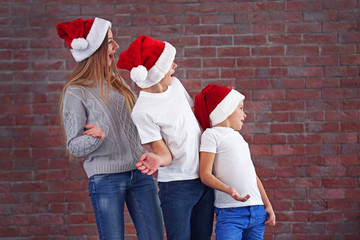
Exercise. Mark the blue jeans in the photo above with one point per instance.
(188, 209)
(108, 194)
(240, 223)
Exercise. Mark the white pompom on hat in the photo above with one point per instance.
(84, 37)
(79, 44)
(138, 74)
(148, 60)
(214, 104)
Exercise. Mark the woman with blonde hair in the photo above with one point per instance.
(95, 107)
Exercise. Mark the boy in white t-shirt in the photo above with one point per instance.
(164, 118)
(226, 166)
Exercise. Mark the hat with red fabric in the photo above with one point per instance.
(148, 60)
(84, 37)
(214, 104)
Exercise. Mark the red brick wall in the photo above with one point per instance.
(297, 62)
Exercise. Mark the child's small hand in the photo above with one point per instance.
(148, 163)
(270, 217)
(235, 195)
(94, 131)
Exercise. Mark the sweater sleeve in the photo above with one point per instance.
(74, 117)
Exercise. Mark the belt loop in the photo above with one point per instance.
(92, 183)
(132, 175)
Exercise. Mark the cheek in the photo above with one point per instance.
(239, 114)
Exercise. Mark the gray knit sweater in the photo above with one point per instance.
(121, 147)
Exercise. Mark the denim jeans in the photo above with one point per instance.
(240, 223)
(188, 209)
(108, 194)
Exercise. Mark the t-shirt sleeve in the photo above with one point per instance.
(208, 142)
(148, 130)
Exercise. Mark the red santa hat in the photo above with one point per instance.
(148, 60)
(214, 104)
(84, 37)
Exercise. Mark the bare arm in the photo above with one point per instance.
(150, 162)
(268, 208)
(207, 177)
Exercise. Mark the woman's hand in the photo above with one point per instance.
(94, 131)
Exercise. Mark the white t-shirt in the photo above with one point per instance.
(168, 116)
(232, 165)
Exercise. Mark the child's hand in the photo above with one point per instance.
(270, 217)
(235, 195)
(148, 163)
(94, 131)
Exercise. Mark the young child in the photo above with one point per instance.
(164, 118)
(226, 166)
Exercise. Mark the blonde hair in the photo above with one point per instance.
(95, 71)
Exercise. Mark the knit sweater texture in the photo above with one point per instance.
(120, 149)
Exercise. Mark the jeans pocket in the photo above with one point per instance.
(99, 182)
(262, 213)
(217, 211)
(99, 177)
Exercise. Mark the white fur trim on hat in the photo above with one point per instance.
(226, 107)
(138, 74)
(95, 37)
(161, 67)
